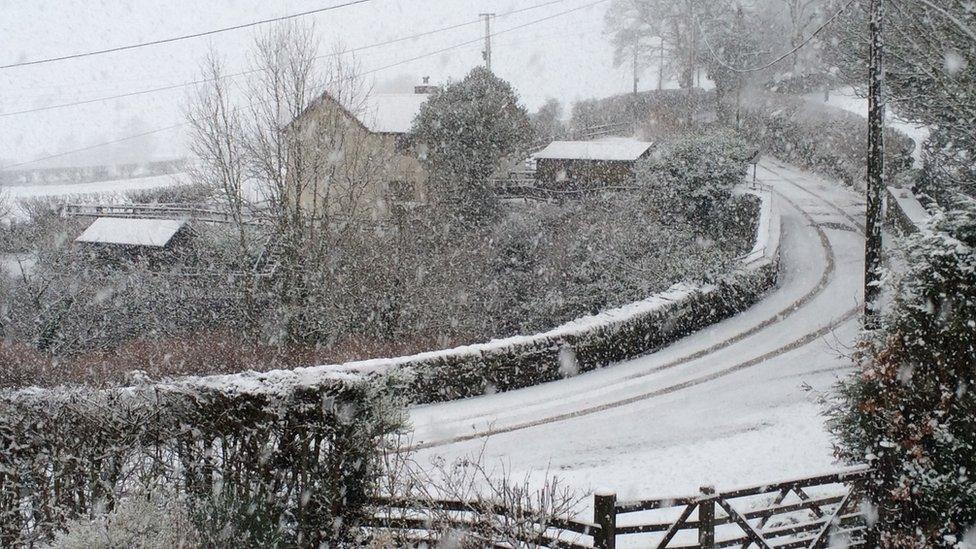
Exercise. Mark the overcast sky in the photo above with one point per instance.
(567, 57)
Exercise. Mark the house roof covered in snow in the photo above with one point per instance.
(390, 112)
(122, 231)
(607, 150)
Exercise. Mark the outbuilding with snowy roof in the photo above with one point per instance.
(112, 238)
(589, 164)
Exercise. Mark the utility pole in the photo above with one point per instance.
(876, 165)
(634, 101)
(487, 52)
(636, 74)
(660, 66)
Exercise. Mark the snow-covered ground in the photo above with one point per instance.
(846, 99)
(16, 193)
(734, 404)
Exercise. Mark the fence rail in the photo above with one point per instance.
(420, 519)
(806, 513)
(154, 211)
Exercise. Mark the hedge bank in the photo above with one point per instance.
(291, 457)
(273, 466)
(820, 138)
(582, 345)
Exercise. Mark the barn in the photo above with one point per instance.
(587, 164)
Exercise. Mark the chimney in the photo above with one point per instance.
(426, 88)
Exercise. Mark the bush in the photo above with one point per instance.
(660, 113)
(820, 138)
(467, 128)
(289, 463)
(137, 522)
(693, 177)
(183, 193)
(911, 410)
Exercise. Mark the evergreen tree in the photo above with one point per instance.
(910, 411)
(467, 128)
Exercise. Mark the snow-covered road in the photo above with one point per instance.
(734, 404)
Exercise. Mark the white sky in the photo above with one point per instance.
(568, 57)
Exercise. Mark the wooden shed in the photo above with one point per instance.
(588, 164)
(129, 238)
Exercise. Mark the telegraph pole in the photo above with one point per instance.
(487, 53)
(634, 102)
(636, 74)
(876, 165)
(660, 66)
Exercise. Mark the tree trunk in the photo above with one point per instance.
(875, 181)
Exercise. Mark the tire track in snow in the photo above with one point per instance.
(775, 319)
(788, 311)
(833, 206)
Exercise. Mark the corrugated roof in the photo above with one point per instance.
(391, 112)
(610, 150)
(154, 233)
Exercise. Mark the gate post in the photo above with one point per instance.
(605, 514)
(706, 517)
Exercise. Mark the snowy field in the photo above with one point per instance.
(735, 404)
(107, 189)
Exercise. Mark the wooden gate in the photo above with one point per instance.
(803, 513)
(814, 512)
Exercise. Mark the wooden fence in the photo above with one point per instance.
(203, 213)
(494, 525)
(813, 512)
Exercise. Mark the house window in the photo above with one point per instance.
(562, 175)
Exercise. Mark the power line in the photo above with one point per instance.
(806, 41)
(183, 37)
(252, 71)
(369, 72)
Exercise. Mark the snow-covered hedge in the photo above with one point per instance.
(280, 466)
(820, 138)
(584, 344)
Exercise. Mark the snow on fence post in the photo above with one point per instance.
(605, 514)
(706, 517)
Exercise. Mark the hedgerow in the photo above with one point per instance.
(820, 138)
(281, 465)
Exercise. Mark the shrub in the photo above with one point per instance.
(660, 113)
(693, 176)
(137, 522)
(182, 193)
(824, 139)
(492, 508)
(911, 410)
(290, 463)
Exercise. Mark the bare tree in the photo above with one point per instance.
(803, 14)
(676, 25)
(289, 150)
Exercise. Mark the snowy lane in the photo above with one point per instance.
(735, 381)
